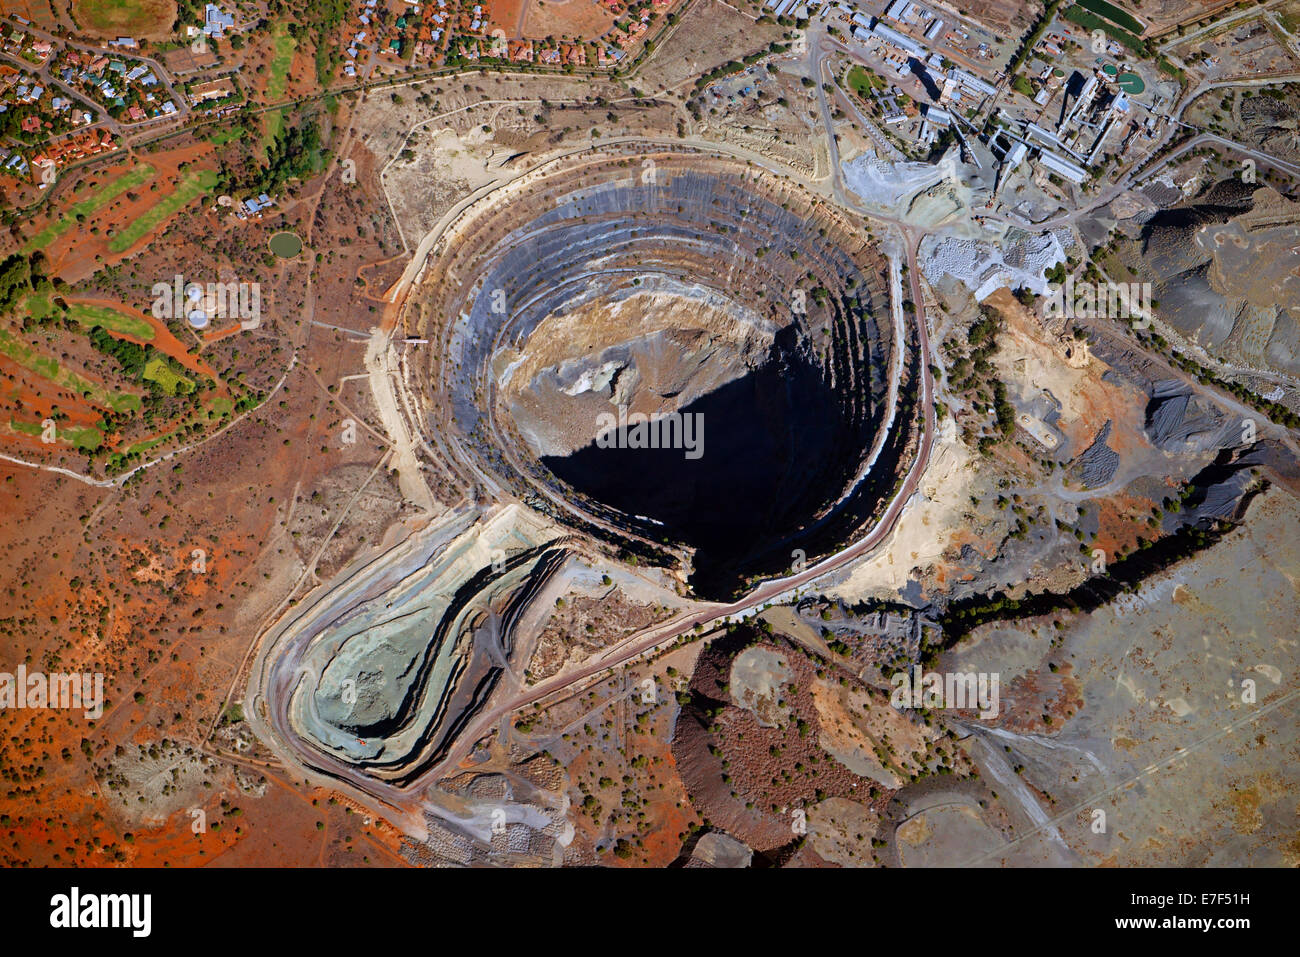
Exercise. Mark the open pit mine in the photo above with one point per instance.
(590, 298)
(674, 287)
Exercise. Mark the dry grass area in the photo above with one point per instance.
(708, 35)
(582, 626)
(142, 19)
(1161, 16)
(539, 19)
(110, 585)
(614, 743)
(1008, 18)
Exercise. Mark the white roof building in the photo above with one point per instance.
(1063, 167)
(890, 35)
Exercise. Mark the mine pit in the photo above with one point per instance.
(550, 323)
(607, 290)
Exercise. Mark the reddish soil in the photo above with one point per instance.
(773, 770)
(163, 340)
(82, 250)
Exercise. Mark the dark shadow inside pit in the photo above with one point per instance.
(779, 445)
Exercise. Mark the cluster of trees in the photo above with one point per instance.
(972, 373)
(131, 356)
(188, 13)
(295, 154)
(942, 143)
(1123, 575)
(19, 276)
(735, 66)
(1275, 411)
(1030, 39)
(316, 21)
(11, 122)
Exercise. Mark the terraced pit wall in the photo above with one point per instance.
(669, 282)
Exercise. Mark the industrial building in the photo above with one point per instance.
(892, 36)
(1063, 167)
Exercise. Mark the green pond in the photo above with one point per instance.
(286, 245)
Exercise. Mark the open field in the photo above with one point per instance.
(99, 197)
(540, 20)
(132, 18)
(194, 185)
(50, 368)
(1009, 18)
(708, 36)
(111, 319)
(157, 370)
(283, 47)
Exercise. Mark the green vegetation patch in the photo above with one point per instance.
(39, 308)
(220, 407)
(87, 438)
(1090, 21)
(29, 358)
(112, 320)
(1114, 14)
(194, 185)
(862, 80)
(100, 197)
(1167, 68)
(272, 124)
(84, 437)
(283, 46)
(169, 380)
(147, 444)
